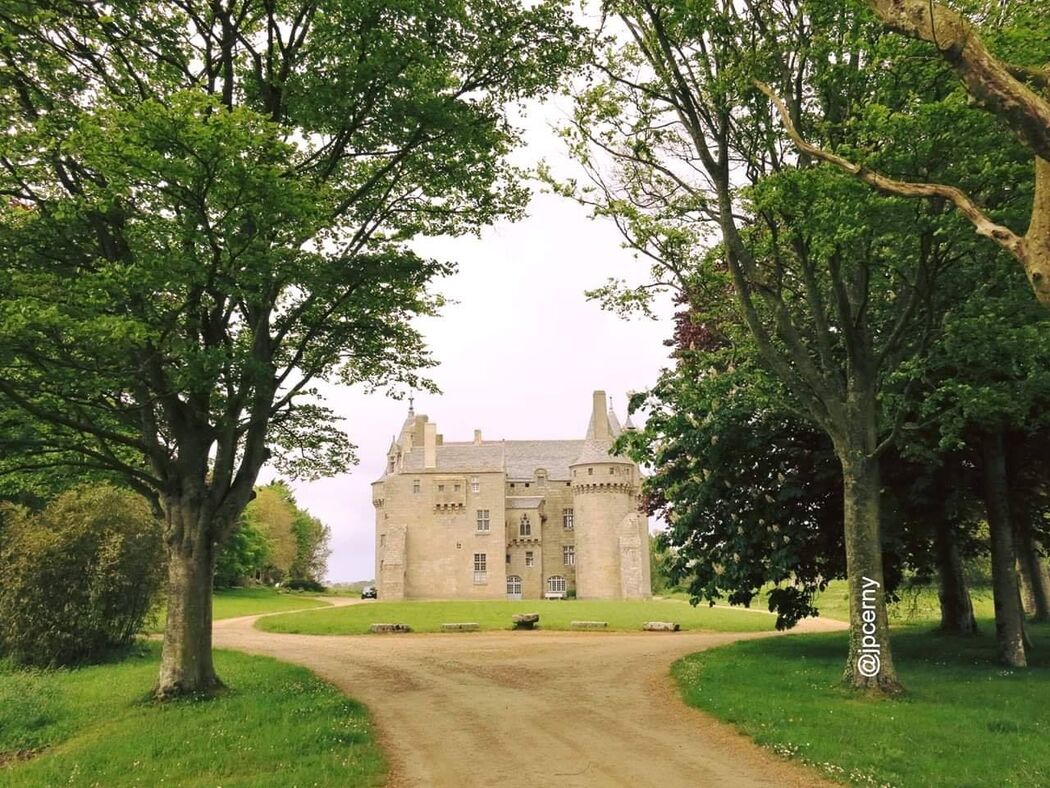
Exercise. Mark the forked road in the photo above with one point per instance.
(532, 708)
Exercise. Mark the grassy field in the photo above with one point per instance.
(916, 605)
(965, 720)
(554, 614)
(234, 602)
(277, 725)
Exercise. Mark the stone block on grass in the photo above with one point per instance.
(525, 620)
(463, 626)
(383, 629)
(588, 624)
(660, 626)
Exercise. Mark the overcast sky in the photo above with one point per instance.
(520, 349)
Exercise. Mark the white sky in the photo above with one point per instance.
(520, 349)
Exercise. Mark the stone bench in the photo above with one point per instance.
(660, 626)
(588, 624)
(383, 629)
(525, 620)
(460, 627)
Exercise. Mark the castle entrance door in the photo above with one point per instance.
(513, 587)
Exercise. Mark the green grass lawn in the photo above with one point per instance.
(964, 722)
(234, 602)
(276, 725)
(916, 605)
(554, 614)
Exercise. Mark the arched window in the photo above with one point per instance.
(513, 587)
(556, 585)
(525, 527)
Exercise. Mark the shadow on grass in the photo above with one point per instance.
(965, 720)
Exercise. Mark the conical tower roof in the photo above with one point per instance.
(597, 445)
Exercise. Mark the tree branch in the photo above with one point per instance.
(1004, 236)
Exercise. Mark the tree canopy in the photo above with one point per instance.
(208, 209)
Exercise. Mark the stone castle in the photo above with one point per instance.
(510, 519)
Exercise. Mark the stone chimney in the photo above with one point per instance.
(430, 445)
(477, 437)
(600, 417)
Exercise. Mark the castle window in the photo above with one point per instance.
(456, 488)
(480, 568)
(526, 484)
(382, 540)
(525, 527)
(612, 471)
(513, 586)
(441, 488)
(483, 521)
(475, 485)
(590, 471)
(415, 485)
(508, 558)
(567, 519)
(556, 585)
(530, 558)
(568, 555)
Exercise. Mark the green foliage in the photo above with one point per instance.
(243, 556)
(962, 722)
(78, 579)
(278, 725)
(208, 213)
(750, 491)
(276, 542)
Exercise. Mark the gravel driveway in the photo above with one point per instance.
(532, 708)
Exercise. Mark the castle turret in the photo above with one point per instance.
(612, 549)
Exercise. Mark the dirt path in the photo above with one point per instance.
(532, 708)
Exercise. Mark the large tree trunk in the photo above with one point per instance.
(1009, 616)
(1034, 575)
(186, 666)
(956, 607)
(870, 662)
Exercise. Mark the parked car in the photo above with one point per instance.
(369, 592)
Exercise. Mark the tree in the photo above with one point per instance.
(273, 515)
(751, 492)
(985, 385)
(243, 556)
(78, 579)
(839, 290)
(311, 550)
(208, 209)
(1014, 92)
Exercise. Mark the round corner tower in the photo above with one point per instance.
(612, 550)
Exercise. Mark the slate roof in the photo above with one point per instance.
(520, 459)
